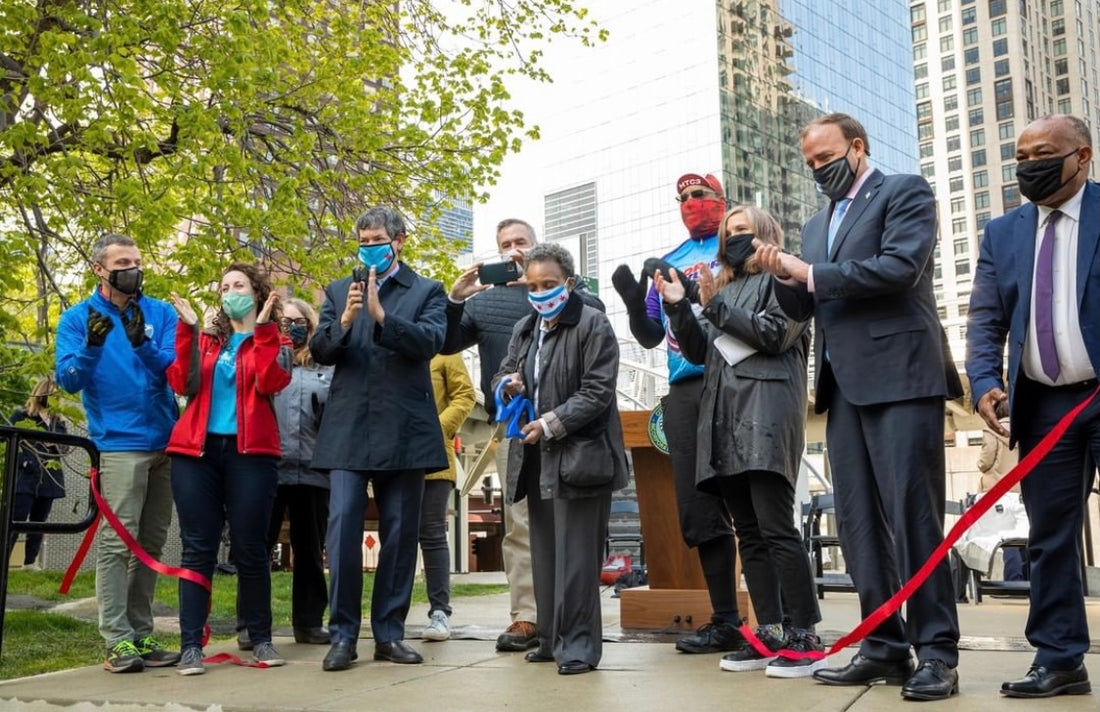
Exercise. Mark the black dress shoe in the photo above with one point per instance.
(864, 671)
(537, 656)
(312, 636)
(933, 680)
(575, 667)
(340, 656)
(397, 652)
(1044, 682)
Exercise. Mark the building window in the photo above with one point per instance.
(1058, 27)
(996, 8)
(981, 179)
(920, 71)
(924, 110)
(920, 33)
(1000, 47)
(1006, 130)
(949, 82)
(958, 205)
(969, 15)
(947, 63)
(970, 36)
(947, 43)
(977, 138)
(1055, 8)
(1000, 27)
(920, 51)
(958, 226)
(962, 245)
(1000, 68)
(955, 163)
(1010, 196)
(922, 91)
(945, 24)
(1062, 85)
(962, 268)
(1008, 150)
(974, 96)
(974, 76)
(977, 117)
(982, 220)
(1065, 106)
(924, 131)
(1008, 173)
(943, 6)
(981, 200)
(1061, 66)
(971, 55)
(1005, 109)
(977, 158)
(1059, 47)
(954, 143)
(950, 102)
(928, 170)
(927, 149)
(916, 14)
(951, 123)
(956, 184)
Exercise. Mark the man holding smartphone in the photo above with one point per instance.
(487, 321)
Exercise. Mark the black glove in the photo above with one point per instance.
(133, 320)
(629, 289)
(99, 325)
(656, 264)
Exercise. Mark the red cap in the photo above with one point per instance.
(708, 181)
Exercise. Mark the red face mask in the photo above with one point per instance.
(702, 216)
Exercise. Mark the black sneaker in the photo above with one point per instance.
(154, 654)
(748, 658)
(714, 637)
(801, 641)
(123, 657)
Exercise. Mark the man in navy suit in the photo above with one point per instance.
(883, 371)
(1038, 285)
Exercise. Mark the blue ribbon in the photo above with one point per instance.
(514, 410)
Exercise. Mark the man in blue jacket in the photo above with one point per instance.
(113, 349)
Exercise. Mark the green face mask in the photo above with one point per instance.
(237, 306)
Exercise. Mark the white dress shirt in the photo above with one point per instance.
(1073, 357)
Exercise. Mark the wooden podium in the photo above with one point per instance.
(676, 597)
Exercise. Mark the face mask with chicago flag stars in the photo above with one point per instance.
(550, 302)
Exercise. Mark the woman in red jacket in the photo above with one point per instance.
(224, 451)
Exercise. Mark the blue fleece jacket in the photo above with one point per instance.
(126, 397)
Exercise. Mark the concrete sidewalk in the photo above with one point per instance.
(466, 673)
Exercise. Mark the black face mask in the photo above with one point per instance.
(128, 281)
(43, 401)
(1042, 178)
(297, 334)
(835, 177)
(739, 249)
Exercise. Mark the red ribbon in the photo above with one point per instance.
(143, 556)
(973, 514)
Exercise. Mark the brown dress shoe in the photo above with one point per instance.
(520, 636)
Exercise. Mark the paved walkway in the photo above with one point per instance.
(466, 673)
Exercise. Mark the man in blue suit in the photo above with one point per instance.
(883, 371)
(1038, 285)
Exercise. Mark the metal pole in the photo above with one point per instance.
(12, 450)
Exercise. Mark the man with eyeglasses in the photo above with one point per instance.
(704, 521)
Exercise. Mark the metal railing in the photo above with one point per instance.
(11, 437)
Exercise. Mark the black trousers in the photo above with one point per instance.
(1054, 495)
(773, 558)
(306, 507)
(889, 483)
(703, 516)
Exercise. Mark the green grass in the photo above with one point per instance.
(37, 641)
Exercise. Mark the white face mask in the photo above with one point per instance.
(551, 302)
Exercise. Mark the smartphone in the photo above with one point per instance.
(498, 272)
(360, 274)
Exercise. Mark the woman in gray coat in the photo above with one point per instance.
(565, 358)
(752, 431)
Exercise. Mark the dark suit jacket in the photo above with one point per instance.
(381, 412)
(1000, 303)
(873, 300)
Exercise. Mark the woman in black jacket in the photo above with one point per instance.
(564, 357)
(752, 432)
(40, 479)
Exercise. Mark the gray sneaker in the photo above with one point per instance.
(799, 641)
(191, 662)
(438, 628)
(266, 653)
(154, 654)
(747, 658)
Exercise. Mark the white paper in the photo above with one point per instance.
(732, 349)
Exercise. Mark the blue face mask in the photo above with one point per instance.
(551, 302)
(380, 257)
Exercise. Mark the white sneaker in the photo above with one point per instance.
(438, 628)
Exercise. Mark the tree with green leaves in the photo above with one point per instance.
(250, 129)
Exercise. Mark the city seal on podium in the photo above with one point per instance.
(657, 429)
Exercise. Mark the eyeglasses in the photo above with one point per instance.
(697, 193)
(300, 321)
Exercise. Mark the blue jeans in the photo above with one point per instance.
(221, 486)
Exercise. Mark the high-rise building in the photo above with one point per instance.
(697, 87)
(984, 69)
(456, 222)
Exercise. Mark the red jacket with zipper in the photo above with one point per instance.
(259, 377)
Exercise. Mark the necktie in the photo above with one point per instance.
(834, 222)
(1044, 301)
